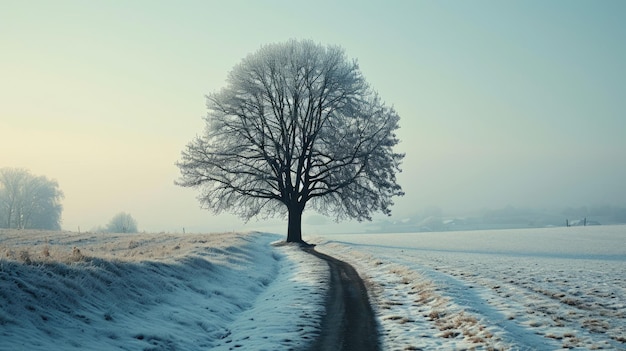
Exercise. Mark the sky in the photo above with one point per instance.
(517, 103)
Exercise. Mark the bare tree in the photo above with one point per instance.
(11, 181)
(297, 125)
(27, 201)
(122, 223)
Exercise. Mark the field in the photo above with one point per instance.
(530, 289)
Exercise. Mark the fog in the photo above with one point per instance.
(501, 104)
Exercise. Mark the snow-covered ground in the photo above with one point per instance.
(529, 289)
(68, 291)
(532, 289)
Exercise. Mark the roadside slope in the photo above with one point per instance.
(157, 291)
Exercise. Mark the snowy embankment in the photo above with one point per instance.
(157, 292)
(532, 289)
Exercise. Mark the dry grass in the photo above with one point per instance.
(450, 334)
(595, 325)
(435, 315)
(40, 247)
(34, 256)
(621, 339)
(399, 319)
(452, 322)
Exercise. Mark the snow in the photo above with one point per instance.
(530, 289)
(157, 292)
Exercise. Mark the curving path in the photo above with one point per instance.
(349, 323)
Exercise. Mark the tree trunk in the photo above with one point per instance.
(294, 231)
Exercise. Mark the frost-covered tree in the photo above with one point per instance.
(122, 223)
(29, 202)
(297, 125)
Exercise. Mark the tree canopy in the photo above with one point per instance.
(122, 223)
(28, 201)
(296, 125)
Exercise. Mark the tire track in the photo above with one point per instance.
(349, 323)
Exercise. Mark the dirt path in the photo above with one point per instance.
(349, 323)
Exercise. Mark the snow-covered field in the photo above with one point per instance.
(529, 289)
(68, 291)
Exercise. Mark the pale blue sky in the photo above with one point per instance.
(502, 103)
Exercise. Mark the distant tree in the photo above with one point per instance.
(122, 223)
(296, 125)
(11, 181)
(29, 202)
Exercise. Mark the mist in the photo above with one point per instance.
(507, 105)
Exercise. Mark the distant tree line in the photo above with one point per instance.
(433, 219)
(608, 213)
(28, 201)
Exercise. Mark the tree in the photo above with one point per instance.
(297, 125)
(122, 223)
(29, 202)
